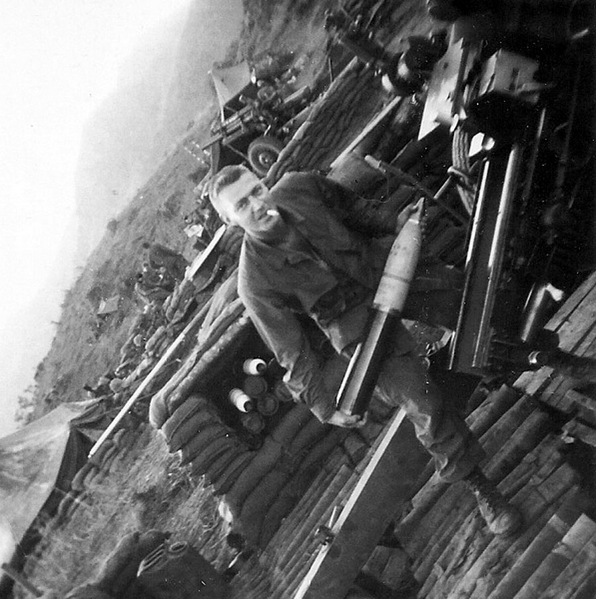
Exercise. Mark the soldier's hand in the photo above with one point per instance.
(345, 420)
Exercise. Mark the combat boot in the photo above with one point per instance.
(500, 516)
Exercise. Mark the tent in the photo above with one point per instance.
(229, 82)
(37, 464)
(108, 306)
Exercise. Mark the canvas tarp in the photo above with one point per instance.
(38, 462)
(108, 306)
(229, 82)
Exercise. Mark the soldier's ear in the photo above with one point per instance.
(224, 217)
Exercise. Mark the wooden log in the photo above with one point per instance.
(497, 561)
(576, 317)
(287, 532)
(315, 456)
(492, 408)
(480, 548)
(583, 293)
(558, 525)
(521, 442)
(587, 589)
(479, 421)
(581, 431)
(533, 382)
(434, 525)
(573, 397)
(312, 520)
(492, 440)
(542, 462)
(581, 533)
(557, 387)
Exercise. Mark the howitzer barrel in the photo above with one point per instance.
(366, 363)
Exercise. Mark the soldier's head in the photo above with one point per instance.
(242, 199)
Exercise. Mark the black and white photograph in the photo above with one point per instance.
(299, 299)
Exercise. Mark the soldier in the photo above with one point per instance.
(305, 251)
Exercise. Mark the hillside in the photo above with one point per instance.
(162, 91)
(155, 200)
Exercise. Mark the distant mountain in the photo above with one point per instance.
(163, 89)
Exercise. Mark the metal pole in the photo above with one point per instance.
(135, 396)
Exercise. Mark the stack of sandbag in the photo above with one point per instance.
(225, 327)
(331, 123)
(278, 473)
(203, 441)
(97, 468)
(176, 305)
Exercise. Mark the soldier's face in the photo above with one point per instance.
(248, 204)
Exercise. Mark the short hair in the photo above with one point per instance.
(226, 176)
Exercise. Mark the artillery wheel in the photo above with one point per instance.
(263, 152)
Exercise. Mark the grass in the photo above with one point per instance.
(163, 496)
(146, 487)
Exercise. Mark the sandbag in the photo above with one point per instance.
(256, 505)
(77, 484)
(308, 435)
(201, 441)
(189, 429)
(97, 458)
(226, 480)
(220, 464)
(263, 462)
(214, 450)
(292, 423)
(192, 404)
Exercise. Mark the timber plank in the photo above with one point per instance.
(441, 522)
(579, 325)
(492, 440)
(581, 431)
(486, 549)
(576, 398)
(573, 542)
(386, 482)
(496, 404)
(521, 441)
(558, 525)
(533, 382)
(534, 467)
(499, 560)
(587, 590)
(308, 524)
(584, 292)
(579, 569)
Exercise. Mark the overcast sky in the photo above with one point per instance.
(58, 60)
